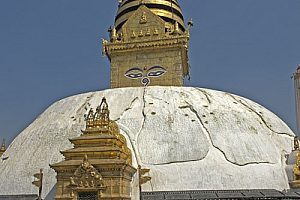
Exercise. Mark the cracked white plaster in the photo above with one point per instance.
(190, 138)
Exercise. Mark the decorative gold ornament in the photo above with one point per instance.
(148, 32)
(88, 174)
(143, 19)
(141, 34)
(133, 35)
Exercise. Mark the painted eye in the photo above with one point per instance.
(156, 71)
(134, 73)
(134, 76)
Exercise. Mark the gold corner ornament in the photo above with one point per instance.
(39, 182)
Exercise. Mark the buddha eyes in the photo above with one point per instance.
(134, 73)
(137, 73)
(156, 71)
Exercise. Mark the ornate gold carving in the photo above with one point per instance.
(143, 19)
(141, 34)
(148, 32)
(155, 32)
(86, 176)
(157, 43)
(133, 35)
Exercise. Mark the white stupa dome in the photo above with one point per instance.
(189, 138)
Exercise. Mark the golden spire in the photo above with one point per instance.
(169, 10)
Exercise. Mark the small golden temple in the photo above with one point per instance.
(100, 164)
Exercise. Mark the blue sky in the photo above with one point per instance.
(51, 49)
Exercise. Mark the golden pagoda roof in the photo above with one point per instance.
(168, 10)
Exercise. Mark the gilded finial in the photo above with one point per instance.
(99, 119)
(296, 143)
(90, 119)
(176, 29)
(190, 23)
(85, 158)
(113, 35)
(104, 43)
(104, 110)
(3, 148)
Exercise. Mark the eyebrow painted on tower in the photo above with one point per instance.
(148, 44)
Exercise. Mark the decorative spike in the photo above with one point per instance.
(90, 119)
(296, 143)
(85, 159)
(176, 29)
(104, 110)
(113, 36)
(3, 147)
(190, 23)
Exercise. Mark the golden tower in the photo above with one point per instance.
(100, 164)
(148, 44)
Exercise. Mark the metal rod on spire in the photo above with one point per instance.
(297, 97)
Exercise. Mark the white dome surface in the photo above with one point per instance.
(190, 138)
